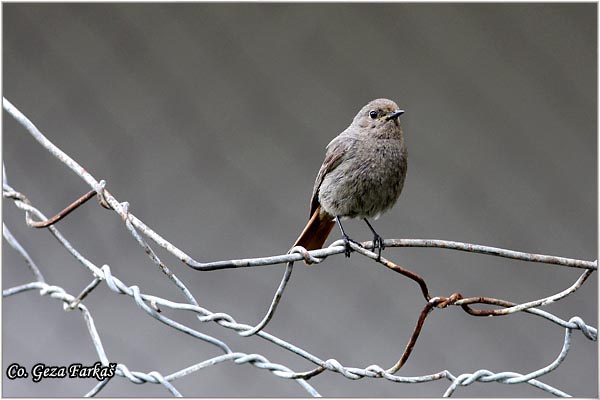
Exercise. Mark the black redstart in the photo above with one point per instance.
(362, 175)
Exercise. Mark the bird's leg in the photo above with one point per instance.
(377, 240)
(346, 239)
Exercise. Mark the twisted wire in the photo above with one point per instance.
(150, 304)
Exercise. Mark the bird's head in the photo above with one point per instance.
(379, 117)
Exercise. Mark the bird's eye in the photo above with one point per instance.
(373, 114)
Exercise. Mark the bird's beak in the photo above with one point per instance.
(395, 114)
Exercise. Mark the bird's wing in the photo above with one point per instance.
(336, 149)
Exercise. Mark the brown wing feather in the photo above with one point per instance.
(320, 224)
(333, 157)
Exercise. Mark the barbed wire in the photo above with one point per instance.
(152, 305)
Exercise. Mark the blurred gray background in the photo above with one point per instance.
(212, 119)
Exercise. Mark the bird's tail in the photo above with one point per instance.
(316, 231)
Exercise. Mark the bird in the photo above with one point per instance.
(362, 175)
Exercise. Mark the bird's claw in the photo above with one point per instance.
(348, 248)
(378, 244)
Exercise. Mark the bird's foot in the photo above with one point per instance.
(348, 247)
(378, 244)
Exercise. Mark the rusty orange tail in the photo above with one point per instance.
(316, 231)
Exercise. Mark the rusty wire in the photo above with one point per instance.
(151, 304)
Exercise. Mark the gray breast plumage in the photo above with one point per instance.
(367, 181)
